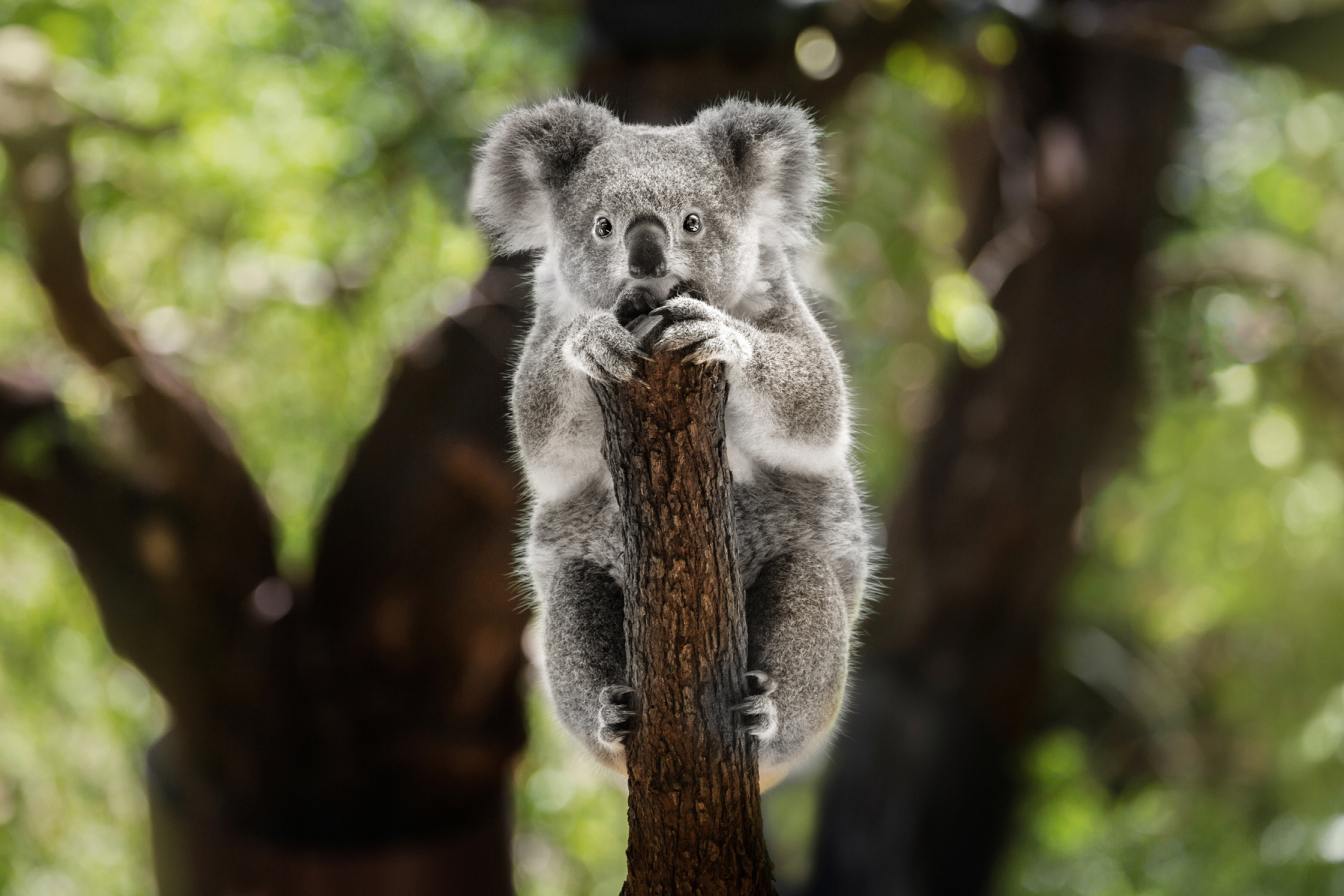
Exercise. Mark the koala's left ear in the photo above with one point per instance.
(529, 154)
(773, 150)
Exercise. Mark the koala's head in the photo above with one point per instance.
(614, 205)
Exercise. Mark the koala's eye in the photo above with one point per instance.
(691, 224)
(602, 228)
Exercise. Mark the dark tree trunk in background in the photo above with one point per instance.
(695, 806)
(923, 785)
(382, 756)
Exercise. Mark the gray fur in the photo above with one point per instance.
(751, 172)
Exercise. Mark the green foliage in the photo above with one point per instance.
(74, 721)
(570, 815)
(1206, 615)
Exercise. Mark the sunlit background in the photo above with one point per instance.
(273, 196)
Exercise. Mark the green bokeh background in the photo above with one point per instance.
(287, 211)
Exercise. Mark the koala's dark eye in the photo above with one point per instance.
(691, 224)
(602, 228)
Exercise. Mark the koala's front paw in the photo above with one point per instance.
(602, 349)
(705, 330)
(757, 715)
(615, 715)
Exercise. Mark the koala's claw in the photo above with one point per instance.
(685, 306)
(602, 349)
(705, 330)
(615, 715)
(730, 348)
(757, 714)
(635, 303)
(646, 328)
(708, 341)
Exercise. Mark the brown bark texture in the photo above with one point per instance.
(694, 807)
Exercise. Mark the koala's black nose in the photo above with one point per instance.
(646, 242)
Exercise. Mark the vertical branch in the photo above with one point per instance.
(695, 814)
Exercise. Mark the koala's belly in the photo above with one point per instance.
(775, 514)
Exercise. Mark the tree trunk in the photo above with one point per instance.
(695, 814)
(924, 781)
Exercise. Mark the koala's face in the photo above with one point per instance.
(616, 205)
(652, 207)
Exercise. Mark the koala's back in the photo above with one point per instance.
(775, 513)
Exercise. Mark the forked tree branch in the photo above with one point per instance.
(113, 525)
(220, 530)
(694, 810)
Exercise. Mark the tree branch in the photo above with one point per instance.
(1262, 258)
(185, 453)
(113, 525)
(695, 816)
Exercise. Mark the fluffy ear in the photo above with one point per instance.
(529, 153)
(774, 150)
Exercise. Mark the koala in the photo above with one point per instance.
(700, 226)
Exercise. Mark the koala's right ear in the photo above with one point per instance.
(528, 154)
(773, 151)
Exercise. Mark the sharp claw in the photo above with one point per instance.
(647, 326)
(616, 692)
(761, 683)
(616, 714)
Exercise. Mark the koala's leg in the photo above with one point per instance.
(584, 636)
(798, 636)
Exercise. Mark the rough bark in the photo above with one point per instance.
(924, 783)
(694, 810)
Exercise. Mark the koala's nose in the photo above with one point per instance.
(646, 243)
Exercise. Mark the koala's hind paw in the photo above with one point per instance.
(601, 349)
(757, 715)
(615, 715)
